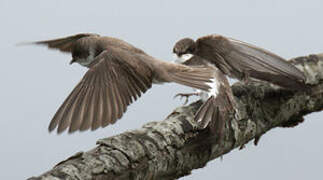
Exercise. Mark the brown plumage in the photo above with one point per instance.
(238, 60)
(118, 74)
(218, 104)
(243, 61)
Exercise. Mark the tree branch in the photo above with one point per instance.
(172, 148)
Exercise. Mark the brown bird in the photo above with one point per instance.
(237, 60)
(219, 102)
(242, 61)
(118, 74)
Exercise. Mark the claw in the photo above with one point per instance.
(186, 95)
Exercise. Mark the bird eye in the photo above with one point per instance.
(75, 54)
(190, 50)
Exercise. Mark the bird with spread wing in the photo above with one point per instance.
(238, 60)
(118, 73)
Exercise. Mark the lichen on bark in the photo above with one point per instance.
(172, 148)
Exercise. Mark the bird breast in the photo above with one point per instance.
(213, 91)
(183, 58)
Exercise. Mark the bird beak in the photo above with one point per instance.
(183, 58)
(72, 61)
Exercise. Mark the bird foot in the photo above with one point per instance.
(186, 95)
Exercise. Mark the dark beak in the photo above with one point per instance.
(72, 61)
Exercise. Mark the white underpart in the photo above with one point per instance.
(181, 59)
(88, 60)
(204, 95)
(214, 91)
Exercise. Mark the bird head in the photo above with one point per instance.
(184, 50)
(85, 50)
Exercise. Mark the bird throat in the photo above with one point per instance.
(183, 58)
(88, 60)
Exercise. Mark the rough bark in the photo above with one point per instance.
(172, 148)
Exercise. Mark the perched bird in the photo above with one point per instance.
(118, 74)
(242, 61)
(219, 102)
(237, 60)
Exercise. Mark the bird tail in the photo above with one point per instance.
(197, 77)
(215, 112)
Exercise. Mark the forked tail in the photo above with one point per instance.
(215, 112)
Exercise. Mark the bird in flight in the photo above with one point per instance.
(118, 73)
(238, 60)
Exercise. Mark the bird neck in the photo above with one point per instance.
(183, 58)
(88, 60)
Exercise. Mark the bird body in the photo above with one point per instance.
(218, 102)
(118, 74)
(243, 61)
(238, 60)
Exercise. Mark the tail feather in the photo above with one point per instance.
(194, 77)
(205, 113)
(215, 112)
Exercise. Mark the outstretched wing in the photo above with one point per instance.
(114, 80)
(234, 57)
(64, 44)
(102, 96)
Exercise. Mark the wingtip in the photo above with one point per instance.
(45, 42)
(28, 43)
(58, 132)
(71, 131)
(61, 128)
(52, 125)
(24, 43)
(50, 129)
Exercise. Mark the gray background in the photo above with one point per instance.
(35, 81)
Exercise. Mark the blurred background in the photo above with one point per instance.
(35, 81)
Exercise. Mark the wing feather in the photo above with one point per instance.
(102, 96)
(240, 59)
(115, 79)
(63, 109)
(64, 44)
(264, 59)
(77, 108)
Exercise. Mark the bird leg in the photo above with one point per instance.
(186, 95)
